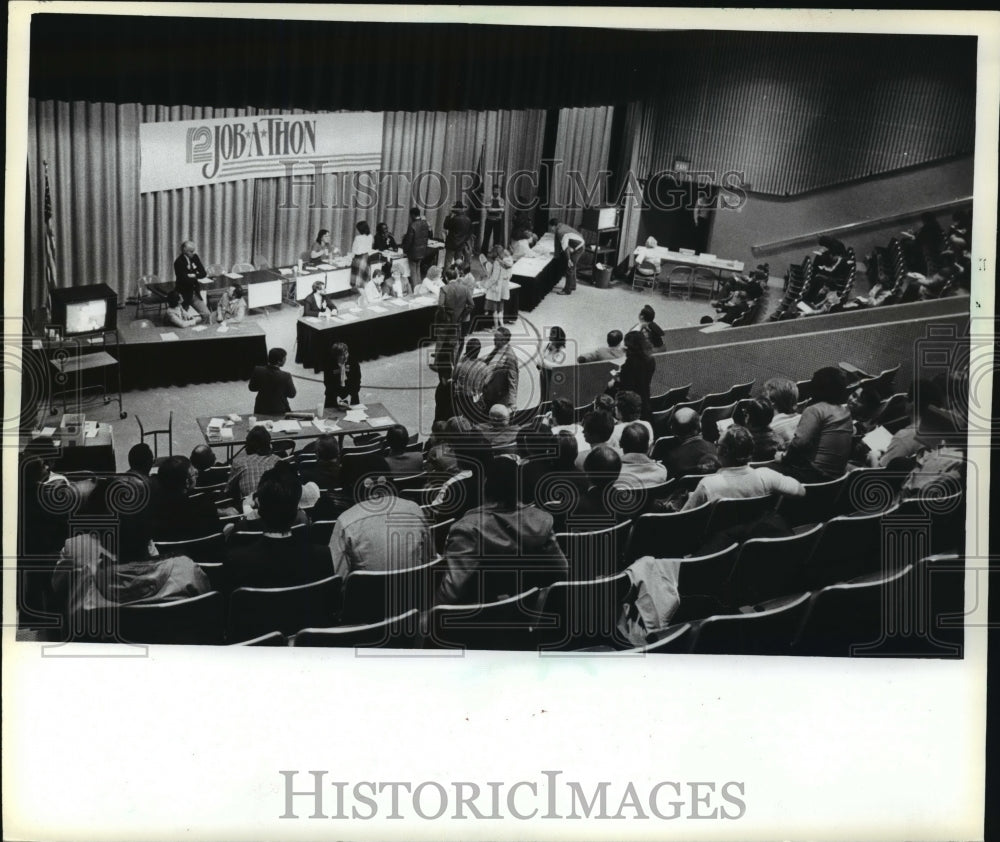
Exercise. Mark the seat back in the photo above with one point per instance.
(847, 547)
(759, 633)
(662, 446)
(578, 614)
(262, 262)
(198, 620)
(257, 611)
(715, 414)
(816, 506)
(504, 624)
(400, 632)
(869, 491)
(371, 596)
(671, 535)
(676, 639)
(596, 554)
(272, 639)
(320, 531)
(768, 568)
(669, 398)
(730, 512)
(853, 618)
(167, 432)
(210, 548)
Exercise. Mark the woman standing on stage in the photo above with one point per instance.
(360, 249)
(342, 377)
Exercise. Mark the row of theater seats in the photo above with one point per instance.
(802, 284)
(867, 548)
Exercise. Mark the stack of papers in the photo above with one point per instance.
(285, 271)
(46, 431)
(234, 275)
(381, 421)
(375, 308)
(355, 416)
(325, 426)
(326, 267)
(348, 317)
(205, 280)
(169, 337)
(288, 425)
(398, 302)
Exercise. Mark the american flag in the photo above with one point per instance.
(50, 242)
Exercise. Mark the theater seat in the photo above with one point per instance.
(257, 611)
(578, 615)
(371, 596)
(669, 535)
(401, 632)
(198, 620)
(505, 624)
(758, 633)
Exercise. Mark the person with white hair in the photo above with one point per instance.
(498, 430)
(188, 271)
(647, 265)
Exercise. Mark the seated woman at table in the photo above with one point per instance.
(321, 249)
(316, 302)
(396, 286)
(177, 314)
(521, 242)
(646, 263)
(233, 305)
(342, 377)
(360, 249)
(384, 241)
(432, 284)
(371, 290)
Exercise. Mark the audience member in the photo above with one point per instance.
(613, 350)
(735, 478)
(325, 471)
(498, 430)
(500, 383)
(280, 557)
(628, 409)
(821, 446)
(468, 379)
(596, 507)
(649, 328)
(501, 548)
(554, 352)
(248, 467)
(688, 455)
(88, 576)
(636, 373)
(381, 531)
(756, 416)
(140, 460)
(175, 515)
(402, 462)
(925, 430)
(784, 397)
(637, 469)
(273, 386)
(203, 459)
(863, 403)
(597, 429)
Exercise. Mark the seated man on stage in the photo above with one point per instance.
(179, 314)
(316, 303)
(188, 271)
(232, 305)
(273, 386)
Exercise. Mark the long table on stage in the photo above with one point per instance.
(389, 327)
(538, 272)
(263, 286)
(378, 421)
(200, 354)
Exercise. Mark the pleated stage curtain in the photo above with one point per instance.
(106, 231)
(583, 140)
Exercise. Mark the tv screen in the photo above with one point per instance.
(84, 309)
(86, 316)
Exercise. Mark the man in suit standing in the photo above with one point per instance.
(273, 386)
(458, 231)
(500, 385)
(188, 270)
(570, 242)
(415, 245)
(455, 304)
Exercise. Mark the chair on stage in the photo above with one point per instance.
(243, 266)
(167, 431)
(262, 262)
(216, 269)
(147, 299)
(679, 277)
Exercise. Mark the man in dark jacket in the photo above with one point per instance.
(188, 270)
(458, 232)
(501, 548)
(273, 386)
(692, 454)
(415, 244)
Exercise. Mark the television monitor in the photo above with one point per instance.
(597, 219)
(85, 309)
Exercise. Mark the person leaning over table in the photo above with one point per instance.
(569, 244)
(233, 305)
(316, 302)
(342, 377)
(178, 314)
(321, 249)
(188, 270)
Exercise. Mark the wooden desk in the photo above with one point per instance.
(307, 430)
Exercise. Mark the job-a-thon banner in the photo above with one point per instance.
(194, 152)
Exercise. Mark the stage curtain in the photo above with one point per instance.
(583, 140)
(94, 185)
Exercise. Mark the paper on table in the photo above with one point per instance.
(223, 328)
(90, 434)
(226, 433)
(355, 416)
(398, 302)
(199, 328)
(48, 431)
(96, 340)
(381, 421)
(169, 337)
(360, 406)
(312, 319)
(878, 439)
(289, 425)
(375, 308)
(36, 344)
(326, 267)
(234, 275)
(348, 317)
(285, 271)
(205, 280)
